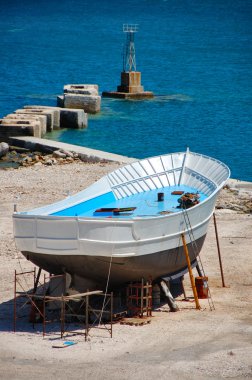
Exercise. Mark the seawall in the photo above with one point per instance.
(44, 145)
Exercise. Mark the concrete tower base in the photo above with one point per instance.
(130, 87)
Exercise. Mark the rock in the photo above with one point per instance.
(75, 156)
(48, 162)
(69, 159)
(36, 158)
(4, 149)
(37, 164)
(27, 159)
(59, 154)
(85, 158)
(235, 200)
(67, 153)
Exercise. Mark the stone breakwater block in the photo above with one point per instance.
(83, 89)
(73, 118)
(60, 101)
(46, 112)
(89, 103)
(39, 119)
(4, 149)
(11, 128)
(56, 113)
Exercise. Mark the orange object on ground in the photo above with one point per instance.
(201, 286)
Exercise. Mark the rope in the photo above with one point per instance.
(108, 278)
(194, 243)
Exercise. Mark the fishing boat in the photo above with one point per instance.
(127, 225)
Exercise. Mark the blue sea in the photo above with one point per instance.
(196, 56)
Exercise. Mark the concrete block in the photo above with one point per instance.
(56, 113)
(73, 118)
(83, 89)
(130, 82)
(9, 128)
(60, 101)
(38, 118)
(44, 112)
(89, 103)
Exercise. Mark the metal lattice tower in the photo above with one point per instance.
(129, 56)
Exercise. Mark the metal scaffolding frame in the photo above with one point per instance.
(38, 302)
(139, 298)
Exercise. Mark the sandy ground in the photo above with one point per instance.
(189, 344)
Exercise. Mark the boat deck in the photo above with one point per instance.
(144, 204)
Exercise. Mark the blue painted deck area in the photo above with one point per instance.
(146, 204)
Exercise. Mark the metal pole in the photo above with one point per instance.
(62, 317)
(87, 302)
(15, 300)
(190, 273)
(36, 279)
(111, 313)
(142, 295)
(218, 248)
(44, 316)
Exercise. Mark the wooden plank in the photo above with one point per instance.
(135, 321)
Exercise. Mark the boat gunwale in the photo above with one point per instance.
(133, 218)
(120, 220)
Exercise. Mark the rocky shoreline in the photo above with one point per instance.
(24, 157)
(235, 199)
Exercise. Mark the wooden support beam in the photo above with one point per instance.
(190, 273)
(170, 300)
(218, 248)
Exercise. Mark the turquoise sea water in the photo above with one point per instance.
(196, 56)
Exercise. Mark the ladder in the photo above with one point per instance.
(197, 257)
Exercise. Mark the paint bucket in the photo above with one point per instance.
(201, 287)
(160, 197)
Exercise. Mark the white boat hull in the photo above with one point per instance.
(136, 247)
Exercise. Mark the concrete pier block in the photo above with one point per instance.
(12, 127)
(46, 112)
(73, 118)
(89, 103)
(60, 101)
(130, 87)
(37, 118)
(56, 113)
(130, 82)
(82, 89)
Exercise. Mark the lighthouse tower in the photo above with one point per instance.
(130, 87)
